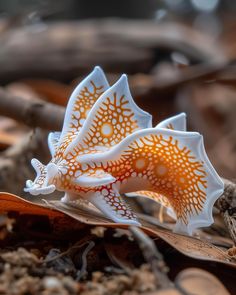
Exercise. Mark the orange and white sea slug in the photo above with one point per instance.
(108, 147)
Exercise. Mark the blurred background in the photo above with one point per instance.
(179, 55)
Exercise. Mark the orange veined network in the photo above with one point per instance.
(108, 148)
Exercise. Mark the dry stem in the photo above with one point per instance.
(227, 205)
(32, 113)
(153, 257)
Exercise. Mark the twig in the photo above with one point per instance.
(113, 44)
(32, 113)
(228, 200)
(227, 206)
(153, 257)
(70, 250)
(82, 272)
(230, 222)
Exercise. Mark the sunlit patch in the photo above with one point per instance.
(161, 170)
(107, 130)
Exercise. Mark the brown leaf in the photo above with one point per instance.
(86, 214)
(189, 246)
(200, 282)
(193, 247)
(10, 202)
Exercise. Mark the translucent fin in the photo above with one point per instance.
(113, 117)
(177, 122)
(174, 164)
(81, 101)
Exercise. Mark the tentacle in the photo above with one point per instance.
(113, 117)
(41, 184)
(41, 176)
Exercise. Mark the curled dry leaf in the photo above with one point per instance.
(189, 246)
(201, 281)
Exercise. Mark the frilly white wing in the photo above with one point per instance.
(177, 122)
(113, 117)
(176, 166)
(80, 103)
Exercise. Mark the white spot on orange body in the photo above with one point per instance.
(182, 180)
(140, 164)
(107, 130)
(161, 170)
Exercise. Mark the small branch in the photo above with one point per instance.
(32, 113)
(230, 222)
(82, 272)
(153, 257)
(227, 206)
(228, 200)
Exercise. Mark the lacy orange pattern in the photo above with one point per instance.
(104, 153)
(171, 171)
(114, 120)
(81, 108)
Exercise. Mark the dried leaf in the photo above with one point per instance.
(193, 247)
(201, 281)
(10, 202)
(188, 246)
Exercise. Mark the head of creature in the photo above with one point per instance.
(44, 181)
